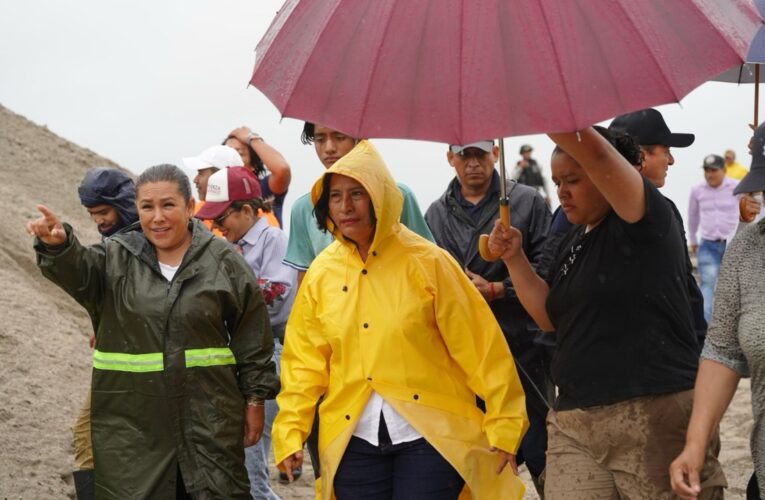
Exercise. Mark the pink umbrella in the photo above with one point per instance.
(458, 71)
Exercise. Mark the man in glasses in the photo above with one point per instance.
(467, 209)
(713, 212)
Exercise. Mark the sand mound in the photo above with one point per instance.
(44, 355)
(45, 366)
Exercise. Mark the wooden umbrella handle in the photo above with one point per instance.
(483, 240)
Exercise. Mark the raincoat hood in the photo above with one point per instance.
(365, 165)
(109, 186)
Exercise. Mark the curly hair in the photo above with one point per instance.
(625, 144)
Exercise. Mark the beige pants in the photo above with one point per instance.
(83, 446)
(623, 450)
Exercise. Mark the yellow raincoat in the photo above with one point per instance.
(408, 324)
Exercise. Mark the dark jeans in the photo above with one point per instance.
(411, 470)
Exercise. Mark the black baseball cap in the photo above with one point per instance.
(648, 127)
(713, 161)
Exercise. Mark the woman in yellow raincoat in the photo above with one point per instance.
(394, 335)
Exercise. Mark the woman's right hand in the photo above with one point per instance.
(47, 228)
(505, 241)
(684, 472)
(291, 463)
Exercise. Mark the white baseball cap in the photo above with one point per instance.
(217, 156)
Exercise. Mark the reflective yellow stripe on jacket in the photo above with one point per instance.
(152, 362)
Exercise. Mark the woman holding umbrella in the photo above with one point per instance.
(398, 340)
(626, 354)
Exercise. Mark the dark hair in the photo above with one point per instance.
(321, 209)
(308, 133)
(255, 203)
(255, 161)
(625, 144)
(166, 173)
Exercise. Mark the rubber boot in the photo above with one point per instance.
(85, 484)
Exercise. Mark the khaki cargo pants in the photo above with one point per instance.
(623, 450)
(83, 446)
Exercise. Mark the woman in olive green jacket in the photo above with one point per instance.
(182, 361)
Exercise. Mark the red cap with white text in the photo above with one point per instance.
(226, 186)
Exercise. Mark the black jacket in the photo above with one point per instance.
(456, 232)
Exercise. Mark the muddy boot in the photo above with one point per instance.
(85, 484)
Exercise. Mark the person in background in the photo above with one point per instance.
(626, 353)
(389, 328)
(651, 132)
(734, 346)
(234, 202)
(733, 169)
(528, 172)
(306, 241)
(467, 209)
(205, 164)
(268, 165)
(183, 356)
(713, 212)
(108, 194)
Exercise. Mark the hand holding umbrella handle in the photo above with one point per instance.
(483, 241)
(748, 207)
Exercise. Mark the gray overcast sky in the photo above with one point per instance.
(146, 82)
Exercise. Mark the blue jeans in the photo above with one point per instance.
(708, 258)
(256, 456)
(411, 470)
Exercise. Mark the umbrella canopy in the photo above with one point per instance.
(457, 71)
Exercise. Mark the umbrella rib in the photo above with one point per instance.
(557, 64)
(375, 64)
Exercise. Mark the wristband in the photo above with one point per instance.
(492, 292)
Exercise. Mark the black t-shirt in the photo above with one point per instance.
(619, 303)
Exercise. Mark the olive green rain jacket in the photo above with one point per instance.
(410, 325)
(173, 361)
